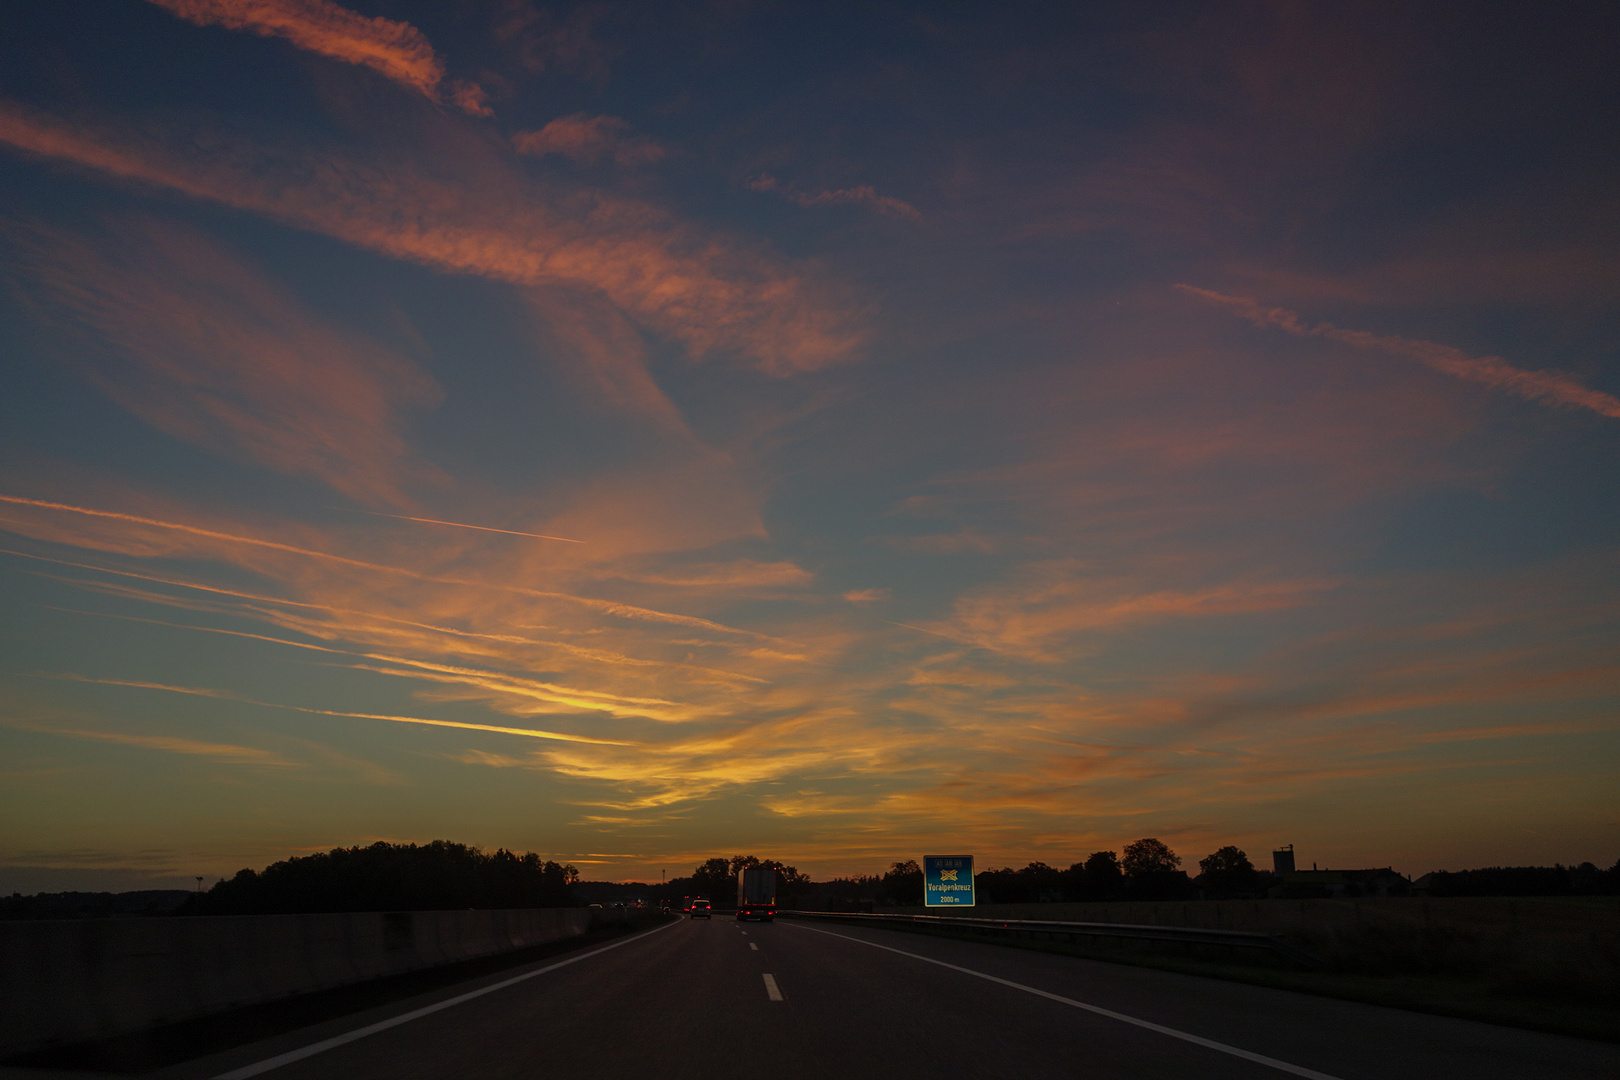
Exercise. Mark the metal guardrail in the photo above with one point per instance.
(1190, 935)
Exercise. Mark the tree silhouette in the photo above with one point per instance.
(1228, 860)
(1148, 856)
(715, 881)
(393, 877)
(1102, 877)
(1228, 871)
(1035, 883)
(790, 884)
(903, 884)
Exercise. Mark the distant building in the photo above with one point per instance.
(1291, 884)
(1282, 860)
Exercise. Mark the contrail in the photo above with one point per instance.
(225, 695)
(627, 611)
(552, 692)
(919, 629)
(597, 655)
(463, 525)
(195, 531)
(1550, 387)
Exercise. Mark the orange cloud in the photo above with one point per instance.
(605, 356)
(396, 50)
(224, 752)
(216, 544)
(714, 296)
(192, 530)
(1050, 603)
(480, 528)
(1547, 387)
(864, 194)
(470, 98)
(209, 350)
(531, 733)
(1042, 757)
(332, 623)
(588, 140)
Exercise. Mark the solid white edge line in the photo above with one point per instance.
(404, 1018)
(772, 991)
(1246, 1055)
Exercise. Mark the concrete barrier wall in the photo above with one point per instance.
(71, 980)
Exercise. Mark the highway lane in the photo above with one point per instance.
(694, 1000)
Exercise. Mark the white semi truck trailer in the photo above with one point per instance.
(756, 894)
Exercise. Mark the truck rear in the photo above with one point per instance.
(756, 894)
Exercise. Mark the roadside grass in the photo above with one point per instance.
(1546, 964)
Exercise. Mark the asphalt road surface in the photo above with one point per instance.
(715, 999)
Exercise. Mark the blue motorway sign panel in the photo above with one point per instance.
(947, 881)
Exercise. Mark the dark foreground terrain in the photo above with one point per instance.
(700, 998)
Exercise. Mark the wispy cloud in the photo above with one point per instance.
(203, 346)
(547, 41)
(590, 139)
(193, 530)
(331, 622)
(529, 733)
(396, 50)
(222, 752)
(216, 543)
(710, 294)
(479, 528)
(862, 194)
(1545, 387)
(1050, 603)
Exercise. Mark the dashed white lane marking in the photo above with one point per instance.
(751, 945)
(1246, 1055)
(772, 991)
(403, 1018)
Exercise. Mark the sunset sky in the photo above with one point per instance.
(642, 432)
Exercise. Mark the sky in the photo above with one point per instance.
(637, 433)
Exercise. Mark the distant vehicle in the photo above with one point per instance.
(700, 909)
(756, 894)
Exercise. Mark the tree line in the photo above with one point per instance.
(439, 876)
(715, 880)
(446, 876)
(1557, 880)
(1146, 870)
(1149, 870)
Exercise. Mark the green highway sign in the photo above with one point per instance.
(947, 881)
